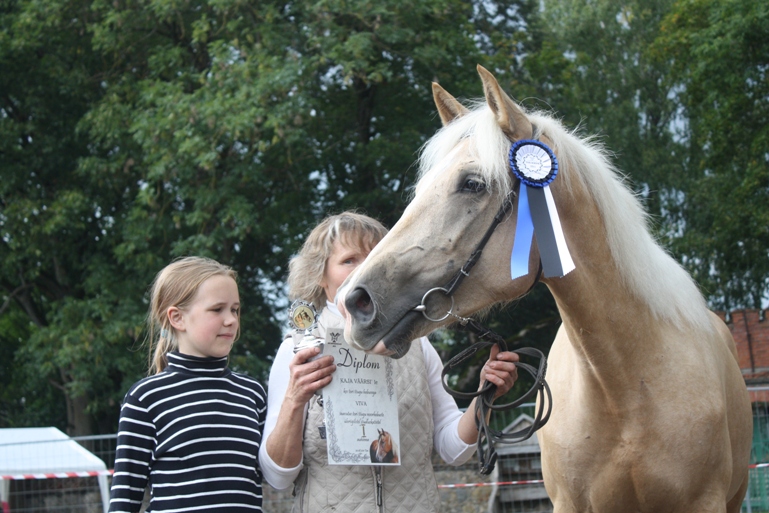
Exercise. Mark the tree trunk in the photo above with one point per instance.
(78, 420)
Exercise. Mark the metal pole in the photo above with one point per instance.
(747, 496)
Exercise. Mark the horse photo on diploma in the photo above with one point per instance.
(650, 412)
(383, 449)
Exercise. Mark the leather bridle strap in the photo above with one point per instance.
(464, 271)
(504, 209)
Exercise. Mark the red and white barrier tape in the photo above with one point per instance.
(94, 473)
(498, 483)
(56, 475)
(538, 481)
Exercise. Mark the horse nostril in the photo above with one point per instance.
(363, 303)
(360, 306)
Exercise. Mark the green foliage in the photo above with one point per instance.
(719, 51)
(678, 91)
(132, 133)
(593, 69)
(51, 235)
(137, 132)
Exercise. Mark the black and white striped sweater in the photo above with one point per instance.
(192, 432)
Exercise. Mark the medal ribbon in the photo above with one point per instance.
(537, 214)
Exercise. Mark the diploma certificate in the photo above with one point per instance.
(360, 407)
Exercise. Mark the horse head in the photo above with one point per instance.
(463, 180)
(385, 442)
(382, 449)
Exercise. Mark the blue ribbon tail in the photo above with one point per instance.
(524, 232)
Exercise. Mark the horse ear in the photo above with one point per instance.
(510, 117)
(448, 107)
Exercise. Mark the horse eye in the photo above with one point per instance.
(473, 185)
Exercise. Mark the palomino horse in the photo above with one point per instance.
(650, 411)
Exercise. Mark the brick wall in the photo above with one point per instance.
(750, 329)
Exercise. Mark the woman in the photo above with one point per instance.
(294, 450)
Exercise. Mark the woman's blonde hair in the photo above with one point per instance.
(176, 285)
(305, 270)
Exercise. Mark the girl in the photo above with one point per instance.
(192, 429)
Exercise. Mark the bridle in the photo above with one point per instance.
(486, 338)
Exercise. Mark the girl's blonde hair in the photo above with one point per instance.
(305, 270)
(176, 285)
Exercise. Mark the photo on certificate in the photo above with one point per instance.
(361, 407)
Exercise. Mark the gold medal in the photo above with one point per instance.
(303, 318)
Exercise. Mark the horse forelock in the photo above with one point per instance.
(487, 146)
(647, 269)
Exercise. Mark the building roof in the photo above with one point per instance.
(43, 450)
(528, 446)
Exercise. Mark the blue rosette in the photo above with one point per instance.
(533, 162)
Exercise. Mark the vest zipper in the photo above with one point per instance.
(379, 489)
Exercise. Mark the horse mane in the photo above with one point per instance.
(648, 270)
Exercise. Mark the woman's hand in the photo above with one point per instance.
(306, 377)
(500, 370)
(285, 448)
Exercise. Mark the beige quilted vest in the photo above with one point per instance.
(409, 488)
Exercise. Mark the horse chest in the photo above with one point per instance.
(593, 478)
(595, 468)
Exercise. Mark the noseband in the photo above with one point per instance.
(485, 396)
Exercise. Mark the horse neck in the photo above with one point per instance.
(609, 327)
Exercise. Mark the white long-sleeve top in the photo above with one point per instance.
(451, 448)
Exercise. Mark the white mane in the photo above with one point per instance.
(648, 270)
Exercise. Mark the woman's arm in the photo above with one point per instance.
(292, 383)
(446, 415)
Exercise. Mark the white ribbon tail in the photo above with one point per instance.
(556, 259)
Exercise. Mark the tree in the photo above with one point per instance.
(661, 81)
(719, 51)
(134, 133)
(53, 250)
(594, 70)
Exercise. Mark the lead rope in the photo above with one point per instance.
(539, 391)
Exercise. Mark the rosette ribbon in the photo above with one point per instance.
(535, 165)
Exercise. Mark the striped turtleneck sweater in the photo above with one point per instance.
(192, 432)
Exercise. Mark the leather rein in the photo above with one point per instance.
(487, 457)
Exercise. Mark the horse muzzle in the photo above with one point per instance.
(363, 330)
